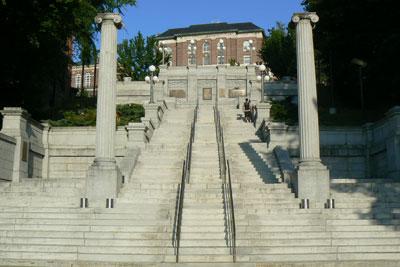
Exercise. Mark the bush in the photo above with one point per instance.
(87, 116)
(129, 113)
(284, 111)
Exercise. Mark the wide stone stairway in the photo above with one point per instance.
(271, 227)
(41, 222)
(203, 224)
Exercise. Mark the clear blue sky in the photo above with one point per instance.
(156, 16)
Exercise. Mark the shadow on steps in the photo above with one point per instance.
(259, 164)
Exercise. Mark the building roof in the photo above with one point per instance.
(210, 28)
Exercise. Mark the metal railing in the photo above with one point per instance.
(225, 172)
(176, 238)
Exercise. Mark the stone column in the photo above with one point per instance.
(104, 177)
(312, 175)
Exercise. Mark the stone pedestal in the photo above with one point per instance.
(15, 123)
(263, 113)
(154, 112)
(104, 178)
(103, 181)
(136, 135)
(312, 175)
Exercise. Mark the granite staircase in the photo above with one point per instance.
(41, 222)
(363, 226)
(203, 224)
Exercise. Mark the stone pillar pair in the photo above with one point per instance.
(104, 177)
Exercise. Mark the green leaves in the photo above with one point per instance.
(279, 50)
(38, 50)
(136, 55)
(87, 116)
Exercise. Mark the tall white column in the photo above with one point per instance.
(104, 178)
(312, 175)
(106, 98)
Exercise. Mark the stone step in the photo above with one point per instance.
(200, 222)
(202, 229)
(201, 250)
(292, 250)
(205, 258)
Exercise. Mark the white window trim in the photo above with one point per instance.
(78, 80)
(87, 79)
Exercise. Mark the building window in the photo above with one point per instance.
(246, 60)
(78, 81)
(221, 52)
(206, 47)
(206, 59)
(88, 79)
(192, 53)
(246, 46)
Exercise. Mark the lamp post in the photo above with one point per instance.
(152, 80)
(221, 51)
(360, 64)
(251, 48)
(192, 52)
(265, 75)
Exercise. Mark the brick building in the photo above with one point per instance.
(89, 78)
(212, 44)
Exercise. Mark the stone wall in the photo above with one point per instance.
(29, 150)
(72, 150)
(195, 83)
(36, 149)
(7, 148)
(370, 151)
(129, 92)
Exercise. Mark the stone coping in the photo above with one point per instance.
(7, 138)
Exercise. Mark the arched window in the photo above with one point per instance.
(88, 79)
(78, 81)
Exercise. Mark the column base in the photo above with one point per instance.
(103, 181)
(312, 182)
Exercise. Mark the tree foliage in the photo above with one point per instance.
(136, 55)
(36, 49)
(363, 29)
(279, 50)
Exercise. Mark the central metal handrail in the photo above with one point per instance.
(181, 188)
(226, 186)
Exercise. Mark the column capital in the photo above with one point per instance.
(311, 16)
(116, 18)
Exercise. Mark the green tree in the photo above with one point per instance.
(354, 29)
(279, 50)
(136, 55)
(38, 47)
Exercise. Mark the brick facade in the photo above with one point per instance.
(178, 41)
(88, 83)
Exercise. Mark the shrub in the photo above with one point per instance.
(284, 111)
(87, 116)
